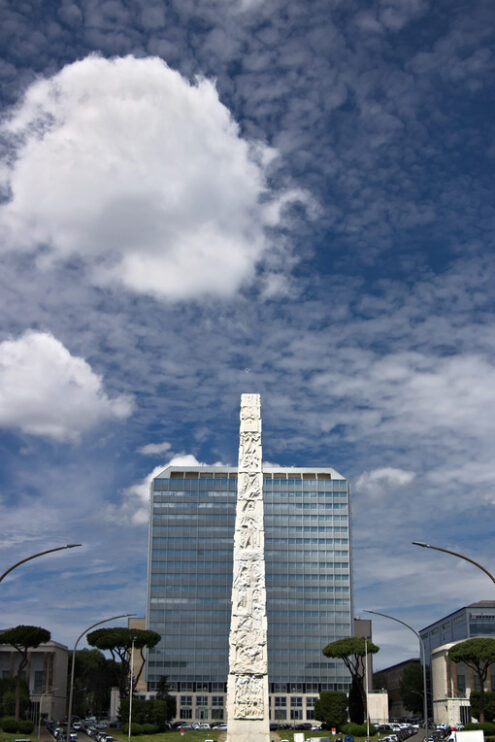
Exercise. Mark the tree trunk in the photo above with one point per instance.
(362, 692)
(22, 665)
(482, 703)
(17, 696)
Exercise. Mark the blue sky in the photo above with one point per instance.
(201, 199)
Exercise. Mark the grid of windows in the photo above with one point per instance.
(308, 579)
(477, 619)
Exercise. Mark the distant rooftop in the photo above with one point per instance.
(404, 663)
(482, 604)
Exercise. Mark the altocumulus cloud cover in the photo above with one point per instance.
(200, 200)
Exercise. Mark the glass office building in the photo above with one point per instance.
(308, 585)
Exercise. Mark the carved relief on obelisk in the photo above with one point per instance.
(247, 688)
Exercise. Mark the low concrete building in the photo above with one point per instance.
(378, 706)
(46, 675)
(452, 685)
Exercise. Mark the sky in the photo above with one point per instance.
(201, 199)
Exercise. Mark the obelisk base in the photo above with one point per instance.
(247, 730)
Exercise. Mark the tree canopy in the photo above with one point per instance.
(93, 678)
(119, 641)
(7, 696)
(474, 700)
(478, 654)
(352, 651)
(23, 638)
(411, 688)
(330, 708)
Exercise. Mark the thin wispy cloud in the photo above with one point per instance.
(154, 449)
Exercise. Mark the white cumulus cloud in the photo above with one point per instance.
(45, 391)
(135, 507)
(378, 483)
(126, 166)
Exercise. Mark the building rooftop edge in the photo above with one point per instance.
(266, 469)
(49, 644)
(397, 664)
(479, 604)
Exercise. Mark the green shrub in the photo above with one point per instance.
(357, 730)
(330, 708)
(155, 711)
(150, 728)
(9, 724)
(135, 728)
(488, 727)
(25, 726)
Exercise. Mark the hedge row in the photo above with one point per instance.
(488, 727)
(357, 730)
(12, 725)
(137, 729)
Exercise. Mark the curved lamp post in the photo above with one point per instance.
(34, 556)
(423, 656)
(131, 691)
(456, 554)
(71, 691)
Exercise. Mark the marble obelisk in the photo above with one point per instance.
(247, 688)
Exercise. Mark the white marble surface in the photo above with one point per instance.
(247, 687)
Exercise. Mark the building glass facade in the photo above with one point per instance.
(308, 585)
(476, 619)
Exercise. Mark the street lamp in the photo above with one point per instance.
(43, 695)
(456, 554)
(34, 556)
(131, 691)
(71, 690)
(422, 646)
